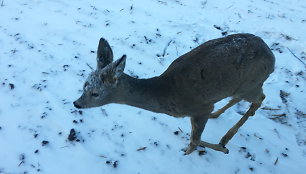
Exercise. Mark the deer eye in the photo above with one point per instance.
(95, 95)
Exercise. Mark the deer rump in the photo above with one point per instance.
(231, 66)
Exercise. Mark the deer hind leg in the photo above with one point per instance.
(231, 103)
(254, 106)
(198, 125)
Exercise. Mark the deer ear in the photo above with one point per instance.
(111, 73)
(104, 54)
(118, 66)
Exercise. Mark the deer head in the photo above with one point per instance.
(100, 86)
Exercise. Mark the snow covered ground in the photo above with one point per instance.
(45, 50)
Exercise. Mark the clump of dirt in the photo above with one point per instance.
(72, 135)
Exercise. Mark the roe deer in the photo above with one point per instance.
(236, 66)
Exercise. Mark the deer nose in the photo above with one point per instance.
(76, 105)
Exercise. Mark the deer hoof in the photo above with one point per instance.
(226, 151)
(188, 150)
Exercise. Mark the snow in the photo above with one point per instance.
(45, 47)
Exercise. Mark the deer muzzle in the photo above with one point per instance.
(76, 105)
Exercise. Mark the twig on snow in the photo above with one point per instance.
(296, 57)
(131, 9)
(180, 129)
(141, 149)
(165, 50)
(90, 66)
(276, 161)
(270, 109)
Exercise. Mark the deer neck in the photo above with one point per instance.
(143, 93)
